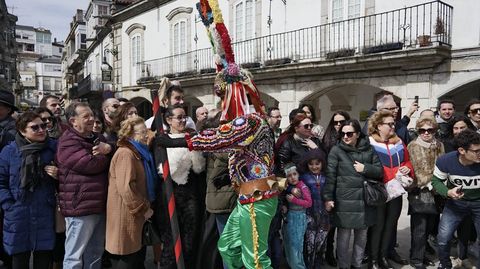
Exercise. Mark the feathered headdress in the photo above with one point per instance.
(232, 83)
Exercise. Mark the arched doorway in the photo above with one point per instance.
(463, 94)
(356, 99)
(191, 104)
(144, 107)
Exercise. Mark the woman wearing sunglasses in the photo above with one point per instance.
(331, 136)
(351, 161)
(299, 141)
(424, 152)
(27, 193)
(393, 155)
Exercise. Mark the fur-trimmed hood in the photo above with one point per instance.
(182, 160)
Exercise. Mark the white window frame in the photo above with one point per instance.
(244, 34)
(135, 59)
(345, 10)
(177, 41)
(339, 29)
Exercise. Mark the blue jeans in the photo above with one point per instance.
(221, 220)
(293, 234)
(453, 213)
(85, 241)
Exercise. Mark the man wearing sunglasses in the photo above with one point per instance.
(109, 108)
(472, 111)
(53, 103)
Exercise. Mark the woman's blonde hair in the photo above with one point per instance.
(127, 127)
(422, 120)
(377, 119)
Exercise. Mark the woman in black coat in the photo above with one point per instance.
(300, 140)
(351, 161)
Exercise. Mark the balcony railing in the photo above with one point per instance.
(410, 27)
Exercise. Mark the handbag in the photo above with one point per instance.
(150, 234)
(374, 192)
(422, 202)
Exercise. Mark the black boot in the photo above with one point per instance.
(383, 263)
(330, 258)
(398, 259)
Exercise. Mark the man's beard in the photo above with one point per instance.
(112, 114)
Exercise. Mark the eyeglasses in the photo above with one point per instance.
(50, 119)
(36, 128)
(348, 134)
(477, 151)
(339, 122)
(308, 126)
(144, 132)
(475, 111)
(180, 117)
(390, 124)
(391, 108)
(423, 131)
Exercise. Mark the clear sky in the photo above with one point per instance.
(54, 15)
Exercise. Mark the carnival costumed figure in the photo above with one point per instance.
(246, 135)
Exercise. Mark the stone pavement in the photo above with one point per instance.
(403, 239)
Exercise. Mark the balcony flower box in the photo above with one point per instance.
(145, 79)
(279, 61)
(424, 40)
(250, 65)
(340, 53)
(186, 74)
(383, 48)
(208, 70)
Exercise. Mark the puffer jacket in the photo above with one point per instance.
(83, 176)
(29, 221)
(344, 185)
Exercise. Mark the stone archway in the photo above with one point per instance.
(356, 99)
(144, 107)
(191, 103)
(462, 94)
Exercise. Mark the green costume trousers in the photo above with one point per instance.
(236, 244)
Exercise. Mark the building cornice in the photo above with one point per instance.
(136, 9)
(177, 11)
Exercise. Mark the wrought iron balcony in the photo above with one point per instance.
(422, 25)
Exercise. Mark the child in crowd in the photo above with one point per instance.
(318, 220)
(298, 199)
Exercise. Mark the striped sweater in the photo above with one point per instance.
(392, 154)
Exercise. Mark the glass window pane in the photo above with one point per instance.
(239, 22)
(249, 32)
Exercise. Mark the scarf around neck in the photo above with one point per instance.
(31, 171)
(149, 166)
